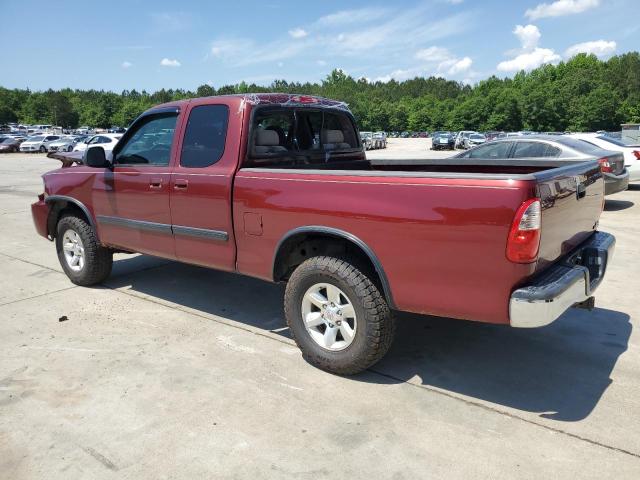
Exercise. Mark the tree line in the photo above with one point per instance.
(581, 94)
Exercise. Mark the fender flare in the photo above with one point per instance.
(346, 236)
(53, 199)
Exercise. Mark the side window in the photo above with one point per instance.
(94, 140)
(149, 142)
(493, 150)
(204, 136)
(535, 150)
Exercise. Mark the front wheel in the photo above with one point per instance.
(337, 316)
(43, 149)
(82, 258)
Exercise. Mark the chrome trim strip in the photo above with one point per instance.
(200, 232)
(136, 224)
(164, 228)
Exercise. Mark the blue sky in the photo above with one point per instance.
(118, 45)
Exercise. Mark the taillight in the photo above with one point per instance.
(524, 237)
(605, 166)
(636, 153)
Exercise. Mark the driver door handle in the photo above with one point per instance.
(155, 183)
(180, 184)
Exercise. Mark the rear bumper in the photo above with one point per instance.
(563, 285)
(40, 215)
(616, 183)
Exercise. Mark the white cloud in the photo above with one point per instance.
(321, 63)
(529, 36)
(166, 62)
(530, 56)
(298, 33)
(599, 48)
(347, 17)
(433, 54)
(126, 64)
(560, 8)
(457, 66)
(529, 60)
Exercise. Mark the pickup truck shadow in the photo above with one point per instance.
(559, 371)
(616, 205)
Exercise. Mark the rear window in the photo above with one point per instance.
(296, 137)
(535, 150)
(580, 146)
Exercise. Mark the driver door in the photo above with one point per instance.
(131, 201)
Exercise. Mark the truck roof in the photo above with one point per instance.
(285, 99)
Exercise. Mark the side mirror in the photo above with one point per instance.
(96, 158)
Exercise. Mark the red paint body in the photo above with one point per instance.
(440, 241)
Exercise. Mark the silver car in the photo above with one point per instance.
(64, 144)
(473, 140)
(38, 143)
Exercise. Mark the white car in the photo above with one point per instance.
(105, 140)
(39, 143)
(461, 137)
(65, 144)
(631, 152)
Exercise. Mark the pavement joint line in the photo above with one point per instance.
(37, 296)
(30, 263)
(290, 343)
(511, 415)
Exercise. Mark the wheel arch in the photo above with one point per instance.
(284, 258)
(59, 204)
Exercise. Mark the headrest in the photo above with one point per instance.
(267, 138)
(332, 136)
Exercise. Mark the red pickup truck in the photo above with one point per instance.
(278, 187)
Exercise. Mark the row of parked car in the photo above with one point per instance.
(619, 162)
(44, 143)
(373, 140)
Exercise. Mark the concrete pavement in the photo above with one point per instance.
(175, 371)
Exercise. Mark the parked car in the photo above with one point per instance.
(461, 136)
(65, 144)
(367, 140)
(380, 139)
(631, 152)
(555, 150)
(473, 140)
(38, 143)
(105, 140)
(9, 144)
(342, 232)
(442, 141)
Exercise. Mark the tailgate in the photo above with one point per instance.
(571, 198)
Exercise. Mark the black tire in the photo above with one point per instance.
(375, 328)
(97, 259)
(43, 149)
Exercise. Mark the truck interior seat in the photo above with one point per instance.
(333, 139)
(268, 141)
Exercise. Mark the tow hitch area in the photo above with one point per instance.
(588, 304)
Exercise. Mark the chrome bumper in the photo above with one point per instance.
(563, 285)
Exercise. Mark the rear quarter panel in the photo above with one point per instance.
(441, 242)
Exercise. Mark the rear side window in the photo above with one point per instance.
(205, 136)
(535, 150)
(494, 150)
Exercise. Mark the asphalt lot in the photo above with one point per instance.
(175, 371)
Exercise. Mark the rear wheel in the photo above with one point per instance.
(82, 258)
(337, 316)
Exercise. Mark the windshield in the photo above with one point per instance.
(477, 136)
(613, 141)
(7, 140)
(35, 139)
